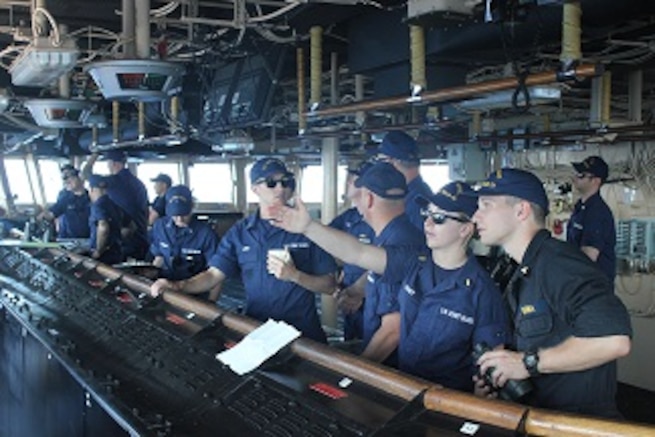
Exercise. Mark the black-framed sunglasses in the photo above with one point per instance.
(272, 183)
(438, 218)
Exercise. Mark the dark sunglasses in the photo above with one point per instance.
(67, 177)
(272, 183)
(439, 218)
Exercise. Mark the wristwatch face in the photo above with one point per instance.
(531, 361)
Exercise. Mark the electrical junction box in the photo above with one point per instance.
(42, 62)
(466, 162)
(635, 245)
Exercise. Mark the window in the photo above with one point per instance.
(312, 183)
(148, 170)
(52, 182)
(435, 174)
(19, 182)
(211, 182)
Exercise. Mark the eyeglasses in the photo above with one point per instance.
(583, 175)
(438, 218)
(67, 177)
(272, 183)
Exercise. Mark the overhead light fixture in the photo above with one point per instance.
(142, 80)
(539, 95)
(41, 62)
(59, 113)
(236, 142)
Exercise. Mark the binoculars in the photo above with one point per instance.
(513, 390)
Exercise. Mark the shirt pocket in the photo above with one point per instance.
(535, 325)
(251, 263)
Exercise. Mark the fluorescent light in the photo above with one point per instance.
(539, 95)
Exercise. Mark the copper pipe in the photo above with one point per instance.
(547, 423)
(498, 413)
(454, 93)
(115, 117)
(383, 378)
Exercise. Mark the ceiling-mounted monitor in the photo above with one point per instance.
(142, 80)
(59, 113)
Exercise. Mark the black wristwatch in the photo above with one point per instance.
(531, 362)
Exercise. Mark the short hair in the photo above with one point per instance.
(537, 211)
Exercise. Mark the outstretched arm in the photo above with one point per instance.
(203, 281)
(87, 170)
(337, 243)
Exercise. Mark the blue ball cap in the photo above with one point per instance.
(517, 183)
(267, 167)
(179, 200)
(114, 155)
(384, 180)
(397, 144)
(163, 177)
(361, 168)
(98, 181)
(457, 197)
(594, 165)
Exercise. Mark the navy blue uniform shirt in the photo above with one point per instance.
(382, 296)
(352, 222)
(105, 209)
(416, 188)
(130, 195)
(443, 314)
(556, 293)
(243, 251)
(186, 250)
(592, 224)
(159, 205)
(72, 212)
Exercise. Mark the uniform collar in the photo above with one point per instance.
(461, 277)
(415, 184)
(253, 219)
(594, 198)
(532, 250)
(189, 228)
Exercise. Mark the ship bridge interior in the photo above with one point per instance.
(480, 85)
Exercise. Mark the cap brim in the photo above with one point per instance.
(578, 166)
(422, 201)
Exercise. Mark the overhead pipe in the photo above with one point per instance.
(300, 80)
(115, 118)
(457, 93)
(571, 53)
(417, 48)
(142, 26)
(175, 113)
(606, 99)
(635, 89)
(142, 120)
(315, 65)
(129, 29)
